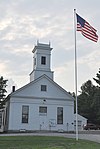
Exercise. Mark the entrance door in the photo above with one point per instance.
(43, 117)
(43, 123)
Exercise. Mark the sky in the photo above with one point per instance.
(23, 22)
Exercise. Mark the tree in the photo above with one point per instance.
(96, 101)
(96, 107)
(88, 88)
(3, 85)
(98, 77)
(89, 100)
(85, 100)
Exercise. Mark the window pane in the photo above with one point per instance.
(43, 60)
(42, 109)
(25, 109)
(24, 118)
(34, 61)
(43, 88)
(0, 118)
(60, 115)
(25, 114)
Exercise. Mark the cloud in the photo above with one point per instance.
(3, 67)
(23, 22)
(64, 75)
(91, 60)
(10, 84)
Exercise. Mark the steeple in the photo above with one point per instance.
(41, 61)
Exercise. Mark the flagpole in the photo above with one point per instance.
(76, 74)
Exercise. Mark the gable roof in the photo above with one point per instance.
(80, 117)
(31, 84)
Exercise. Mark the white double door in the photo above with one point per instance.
(43, 123)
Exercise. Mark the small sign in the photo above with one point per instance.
(52, 122)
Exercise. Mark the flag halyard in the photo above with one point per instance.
(86, 29)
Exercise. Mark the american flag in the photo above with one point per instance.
(86, 29)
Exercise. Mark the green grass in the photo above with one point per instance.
(39, 142)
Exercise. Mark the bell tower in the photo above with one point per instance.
(41, 61)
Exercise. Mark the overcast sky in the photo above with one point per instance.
(23, 22)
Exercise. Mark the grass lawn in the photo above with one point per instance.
(40, 142)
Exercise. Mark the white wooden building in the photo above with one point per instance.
(82, 121)
(41, 104)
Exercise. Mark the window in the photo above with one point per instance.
(79, 123)
(0, 119)
(43, 88)
(34, 61)
(42, 110)
(43, 60)
(25, 114)
(59, 115)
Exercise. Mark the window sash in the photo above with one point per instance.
(43, 111)
(43, 88)
(43, 60)
(34, 61)
(59, 115)
(25, 114)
